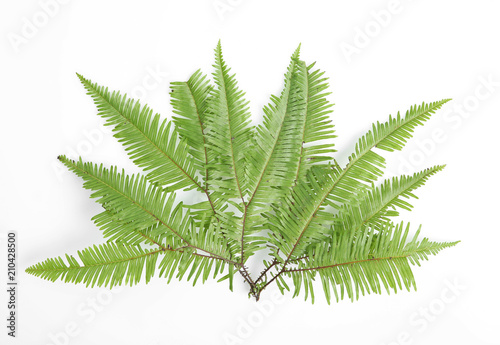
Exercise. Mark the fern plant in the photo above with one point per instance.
(274, 187)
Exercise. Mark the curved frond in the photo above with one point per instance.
(376, 205)
(318, 129)
(365, 165)
(189, 101)
(363, 262)
(229, 131)
(278, 142)
(151, 143)
(137, 203)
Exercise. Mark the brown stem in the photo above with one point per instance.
(264, 273)
(253, 289)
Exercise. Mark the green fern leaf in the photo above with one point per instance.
(229, 132)
(190, 100)
(278, 143)
(151, 143)
(318, 129)
(362, 262)
(377, 204)
(105, 265)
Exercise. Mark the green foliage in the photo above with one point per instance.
(273, 187)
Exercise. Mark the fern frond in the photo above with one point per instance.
(317, 124)
(113, 264)
(274, 161)
(365, 165)
(189, 101)
(131, 199)
(278, 142)
(105, 265)
(359, 262)
(229, 132)
(136, 202)
(151, 143)
(376, 205)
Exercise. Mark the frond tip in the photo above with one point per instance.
(105, 265)
(275, 186)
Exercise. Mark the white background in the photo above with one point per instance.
(377, 64)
